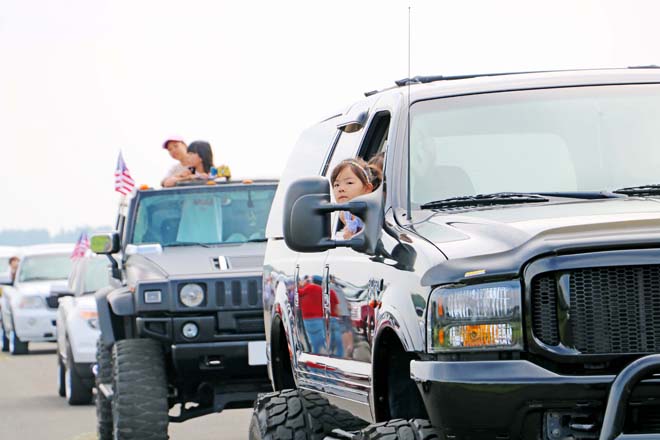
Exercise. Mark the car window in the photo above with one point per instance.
(45, 268)
(233, 214)
(347, 147)
(96, 275)
(550, 140)
(4, 264)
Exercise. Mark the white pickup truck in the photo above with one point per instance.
(77, 328)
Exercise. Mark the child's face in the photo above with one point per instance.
(193, 160)
(347, 186)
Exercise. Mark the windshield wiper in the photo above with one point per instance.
(503, 198)
(257, 240)
(642, 190)
(187, 243)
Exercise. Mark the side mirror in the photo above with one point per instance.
(60, 291)
(308, 224)
(106, 243)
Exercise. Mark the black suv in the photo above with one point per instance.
(507, 278)
(182, 322)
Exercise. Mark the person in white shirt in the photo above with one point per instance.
(178, 151)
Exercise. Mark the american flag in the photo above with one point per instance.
(82, 245)
(124, 183)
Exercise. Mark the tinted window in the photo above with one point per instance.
(550, 140)
(209, 215)
(346, 148)
(45, 268)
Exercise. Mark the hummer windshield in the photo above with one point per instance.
(206, 215)
(45, 268)
(564, 140)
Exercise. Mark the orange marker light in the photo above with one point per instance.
(248, 181)
(144, 186)
(211, 182)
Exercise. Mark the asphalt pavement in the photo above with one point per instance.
(30, 408)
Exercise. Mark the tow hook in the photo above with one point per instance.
(617, 401)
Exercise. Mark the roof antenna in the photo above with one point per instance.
(409, 210)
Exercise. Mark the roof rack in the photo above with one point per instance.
(425, 79)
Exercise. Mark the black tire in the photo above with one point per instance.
(103, 405)
(5, 339)
(299, 415)
(399, 429)
(61, 391)
(139, 404)
(16, 346)
(76, 392)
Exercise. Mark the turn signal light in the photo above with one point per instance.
(482, 335)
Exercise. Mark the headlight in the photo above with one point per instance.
(31, 302)
(191, 295)
(485, 316)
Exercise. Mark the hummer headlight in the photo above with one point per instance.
(484, 316)
(191, 295)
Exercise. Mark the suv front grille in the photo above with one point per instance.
(52, 301)
(612, 309)
(239, 293)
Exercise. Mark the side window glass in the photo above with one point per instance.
(347, 147)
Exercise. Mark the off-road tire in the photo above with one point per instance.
(139, 404)
(5, 339)
(16, 346)
(299, 415)
(103, 405)
(399, 429)
(61, 391)
(76, 392)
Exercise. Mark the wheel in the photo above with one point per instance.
(299, 415)
(77, 393)
(61, 371)
(139, 404)
(103, 405)
(16, 346)
(399, 429)
(5, 339)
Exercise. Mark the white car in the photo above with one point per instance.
(26, 315)
(77, 328)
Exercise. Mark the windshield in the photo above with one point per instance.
(4, 264)
(45, 268)
(206, 215)
(550, 140)
(96, 275)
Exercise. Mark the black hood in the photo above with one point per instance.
(198, 261)
(498, 242)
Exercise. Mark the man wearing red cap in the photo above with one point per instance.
(179, 152)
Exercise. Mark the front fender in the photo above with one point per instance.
(105, 315)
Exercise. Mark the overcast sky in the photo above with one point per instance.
(81, 79)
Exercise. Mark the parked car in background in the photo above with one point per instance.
(77, 328)
(511, 259)
(182, 323)
(26, 315)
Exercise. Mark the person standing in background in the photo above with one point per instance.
(13, 267)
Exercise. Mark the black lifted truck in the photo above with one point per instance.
(182, 322)
(506, 284)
